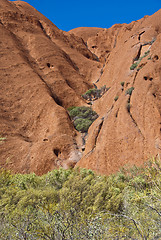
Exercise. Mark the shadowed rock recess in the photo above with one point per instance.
(45, 71)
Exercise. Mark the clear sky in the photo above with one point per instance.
(69, 14)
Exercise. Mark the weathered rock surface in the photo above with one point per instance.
(44, 70)
(128, 130)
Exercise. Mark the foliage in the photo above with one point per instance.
(2, 139)
(78, 204)
(71, 108)
(83, 117)
(146, 54)
(82, 124)
(135, 64)
(94, 93)
(129, 91)
(116, 98)
(122, 84)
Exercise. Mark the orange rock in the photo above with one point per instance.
(41, 76)
(128, 137)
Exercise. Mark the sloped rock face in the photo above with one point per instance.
(128, 130)
(44, 70)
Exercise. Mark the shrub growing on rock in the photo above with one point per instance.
(116, 98)
(129, 91)
(83, 117)
(94, 93)
(133, 66)
(82, 124)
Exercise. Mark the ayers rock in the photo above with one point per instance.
(44, 70)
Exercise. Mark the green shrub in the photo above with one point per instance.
(91, 92)
(83, 117)
(95, 93)
(82, 125)
(122, 84)
(129, 91)
(75, 111)
(2, 139)
(70, 108)
(146, 53)
(82, 112)
(133, 66)
(78, 204)
(116, 98)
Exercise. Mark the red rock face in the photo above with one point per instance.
(130, 131)
(44, 70)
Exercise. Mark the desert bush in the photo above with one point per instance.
(91, 93)
(134, 65)
(116, 98)
(83, 117)
(2, 139)
(94, 93)
(82, 124)
(146, 54)
(78, 204)
(129, 91)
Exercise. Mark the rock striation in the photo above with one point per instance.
(44, 71)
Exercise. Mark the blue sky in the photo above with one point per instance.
(70, 14)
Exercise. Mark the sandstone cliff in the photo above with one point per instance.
(44, 70)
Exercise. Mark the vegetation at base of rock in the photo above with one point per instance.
(116, 98)
(129, 91)
(78, 204)
(94, 93)
(135, 64)
(82, 117)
